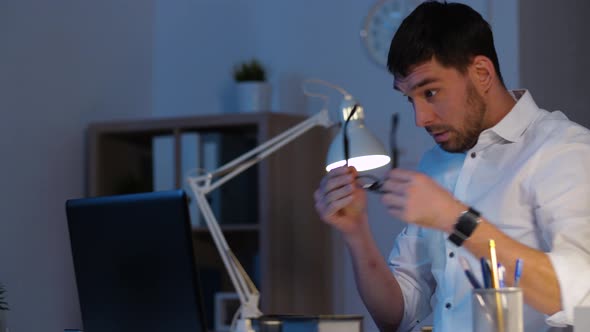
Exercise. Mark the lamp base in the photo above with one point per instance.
(244, 325)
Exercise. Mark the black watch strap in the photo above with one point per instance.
(466, 224)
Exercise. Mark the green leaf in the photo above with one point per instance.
(3, 304)
(249, 71)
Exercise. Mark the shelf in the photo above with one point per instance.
(266, 213)
(230, 228)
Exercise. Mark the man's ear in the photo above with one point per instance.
(482, 73)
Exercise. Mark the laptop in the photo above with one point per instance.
(134, 263)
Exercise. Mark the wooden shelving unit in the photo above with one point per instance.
(267, 213)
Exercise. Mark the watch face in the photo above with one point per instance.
(381, 24)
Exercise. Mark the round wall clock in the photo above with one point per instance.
(380, 25)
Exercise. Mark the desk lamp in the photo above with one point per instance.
(365, 152)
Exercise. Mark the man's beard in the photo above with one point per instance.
(465, 139)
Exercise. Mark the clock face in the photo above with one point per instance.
(381, 24)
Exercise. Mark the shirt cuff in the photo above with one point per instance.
(569, 266)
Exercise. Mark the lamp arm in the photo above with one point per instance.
(204, 184)
(227, 257)
(241, 163)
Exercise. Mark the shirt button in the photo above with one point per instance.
(473, 154)
(448, 305)
(451, 254)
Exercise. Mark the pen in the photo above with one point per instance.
(494, 261)
(468, 273)
(501, 274)
(485, 271)
(517, 271)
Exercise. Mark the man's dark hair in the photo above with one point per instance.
(452, 33)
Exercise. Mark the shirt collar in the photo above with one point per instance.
(515, 123)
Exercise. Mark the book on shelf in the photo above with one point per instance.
(309, 323)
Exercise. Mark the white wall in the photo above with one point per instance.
(556, 55)
(198, 42)
(63, 63)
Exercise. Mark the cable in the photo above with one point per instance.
(324, 97)
(393, 141)
(345, 134)
(322, 82)
(234, 320)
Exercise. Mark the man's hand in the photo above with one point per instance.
(417, 199)
(340, 202)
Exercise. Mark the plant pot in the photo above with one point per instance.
(253, 96)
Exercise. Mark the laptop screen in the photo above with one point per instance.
(134, 263)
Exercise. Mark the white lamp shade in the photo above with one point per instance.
(365, 150)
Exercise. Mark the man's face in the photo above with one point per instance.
(446, 104)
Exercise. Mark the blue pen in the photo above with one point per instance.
(485, 271)
(501, 273)
(517, 271)
(468, 273)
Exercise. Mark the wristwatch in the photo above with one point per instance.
(466, 224)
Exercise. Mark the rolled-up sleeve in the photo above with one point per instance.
(410, 263)
(562, 195)
(570, 258)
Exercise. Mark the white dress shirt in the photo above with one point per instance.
(529, 175)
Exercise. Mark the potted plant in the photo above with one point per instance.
(3, 308)
(253, 91)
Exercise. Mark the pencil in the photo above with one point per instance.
(496, 285)
(495, 282)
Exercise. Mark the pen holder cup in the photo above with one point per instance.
(497, 310)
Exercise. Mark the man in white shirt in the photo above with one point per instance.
(502, 169)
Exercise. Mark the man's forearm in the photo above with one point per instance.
(539, 281)
(376, 284)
